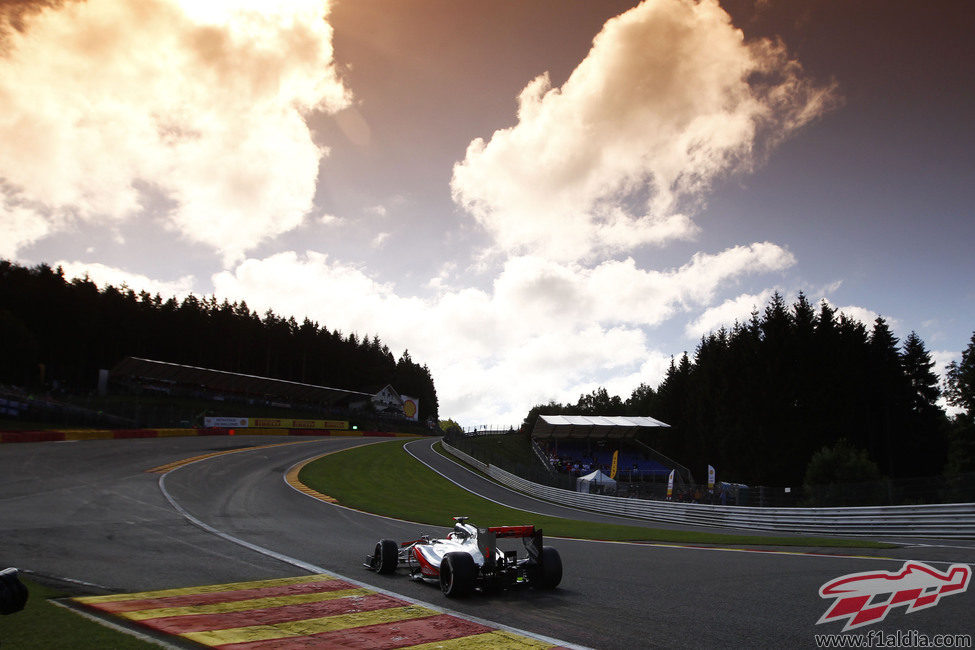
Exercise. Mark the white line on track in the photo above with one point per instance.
(311, 568)
(913, 543)
(73, 581)
(478, 494)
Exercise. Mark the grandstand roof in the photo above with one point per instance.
(592, 426)
(230, 382)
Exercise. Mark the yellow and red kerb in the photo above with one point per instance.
(305, 612)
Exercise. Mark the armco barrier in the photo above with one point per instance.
(951, 520)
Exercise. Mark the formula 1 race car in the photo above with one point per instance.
(469, 559)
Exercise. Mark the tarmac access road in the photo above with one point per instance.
(90, 512)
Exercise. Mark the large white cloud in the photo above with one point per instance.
(106, 106)
(737, 309)
(620, 292)
(543, 330)
(19, 226)
(669, 97)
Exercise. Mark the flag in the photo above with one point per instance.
(710, 477)
(612, 470)
(411, 407)
(670, 484)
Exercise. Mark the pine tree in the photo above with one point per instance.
(887, 389)
(919, 369)
(960, 381)
(925, 447)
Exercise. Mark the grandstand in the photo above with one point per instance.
(133, 374)
(578, 444)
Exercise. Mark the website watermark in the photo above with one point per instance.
(866, 598)
(898, 639)
(861, 599)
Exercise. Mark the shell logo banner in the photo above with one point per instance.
(411, 408)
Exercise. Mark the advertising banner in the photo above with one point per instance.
(225, 423)
(616, 458)
(318, 424)
(710, 477)
(273, 423)
(670, 484)
(287, 423)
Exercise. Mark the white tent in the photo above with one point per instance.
(597, 478)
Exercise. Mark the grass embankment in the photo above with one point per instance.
(42, 624)
(384, 479)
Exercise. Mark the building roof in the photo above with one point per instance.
(230, 382)
(592, 426)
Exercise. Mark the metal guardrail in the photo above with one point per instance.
(541, 456)
(950, 520)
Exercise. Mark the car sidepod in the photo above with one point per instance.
(427, 559)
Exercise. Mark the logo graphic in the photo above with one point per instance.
(410, 407)
(865, 598)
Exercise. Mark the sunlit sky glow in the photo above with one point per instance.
(534, 198)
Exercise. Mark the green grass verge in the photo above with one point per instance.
(44, 625)
(384, 479)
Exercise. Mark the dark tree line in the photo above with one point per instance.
(52, 329)
(960, 392)
(758, 400)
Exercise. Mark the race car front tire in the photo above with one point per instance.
(457, 573)
(386, 556)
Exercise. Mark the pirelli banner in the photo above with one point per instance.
(273, 423)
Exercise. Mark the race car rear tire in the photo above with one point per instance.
(547, 574)
(13, 593)
(457, 573)
(386, 556)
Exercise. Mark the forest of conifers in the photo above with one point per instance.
(756, 401)
(759, 400)
(73, 329)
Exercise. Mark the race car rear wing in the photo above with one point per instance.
(487, 541)
(512, 531)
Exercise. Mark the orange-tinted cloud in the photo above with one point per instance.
(106, 103)
(670, 97)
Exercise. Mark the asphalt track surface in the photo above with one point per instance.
(89, 512)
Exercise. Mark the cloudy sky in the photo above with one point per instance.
(535, 198)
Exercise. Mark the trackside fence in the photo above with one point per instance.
(951, 520)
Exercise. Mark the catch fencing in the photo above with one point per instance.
(488, 430)
(952, 520)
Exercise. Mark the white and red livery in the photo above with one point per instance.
(469, 558)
